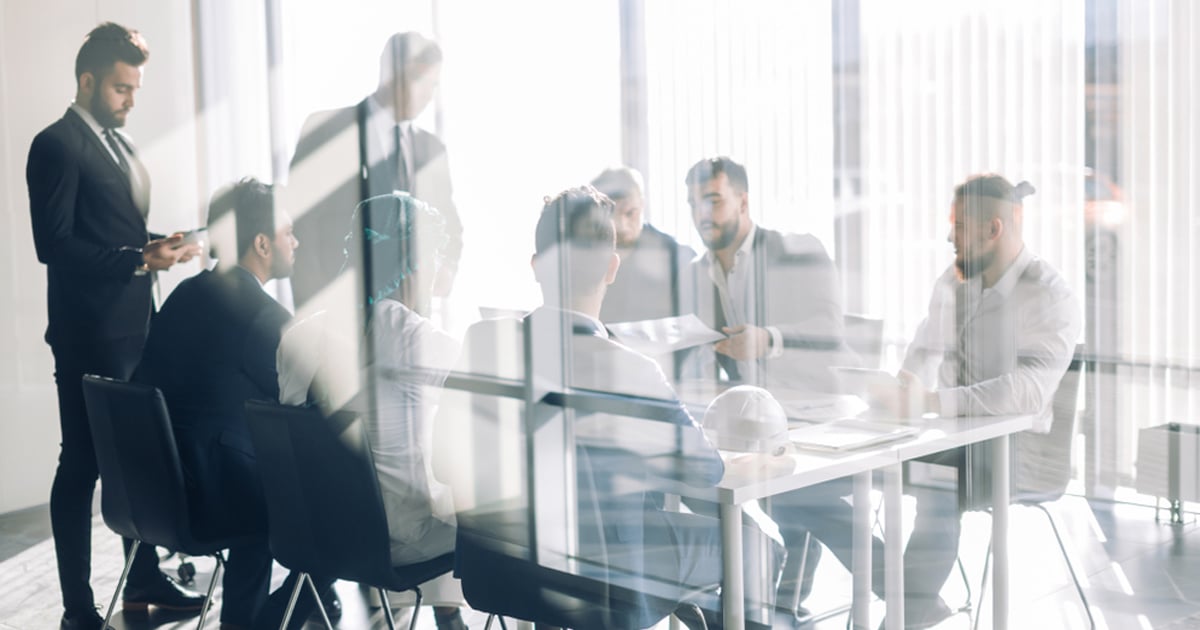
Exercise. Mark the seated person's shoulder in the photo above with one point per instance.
(801, 245)
(1041, 282)
(621, 370)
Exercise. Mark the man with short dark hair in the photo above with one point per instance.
(210, 350)
(89, 197)
(775, 295)
(777, 298)
(652, 283)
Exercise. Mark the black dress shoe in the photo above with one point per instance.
(88, 620)
(161, 592)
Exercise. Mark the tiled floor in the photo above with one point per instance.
(1138, 574)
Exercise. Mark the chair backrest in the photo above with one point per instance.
(864, 335)
(1042, 461)
(143, 494)
(324, 507)
(548, 530)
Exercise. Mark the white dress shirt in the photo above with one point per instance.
(999, 350)
(737, 290)
(411, 358)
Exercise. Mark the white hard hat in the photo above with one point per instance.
(747, 418)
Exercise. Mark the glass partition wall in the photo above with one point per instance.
(903, 214)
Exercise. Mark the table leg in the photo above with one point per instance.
(861, 532)
(1000, 499)
(671, 504)
(893, 544)
(733, 589)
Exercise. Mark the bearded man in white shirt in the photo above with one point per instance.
(998, 337)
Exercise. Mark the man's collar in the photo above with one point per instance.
(251, 274)
(745, 248)
(748, 244)
(87, 118)
(1007, 282)
(384, 114)
(581, 323)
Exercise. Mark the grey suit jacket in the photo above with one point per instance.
(796, 290)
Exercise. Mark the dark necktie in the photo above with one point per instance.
(111, 139)
(402, 182)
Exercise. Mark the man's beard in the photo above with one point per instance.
(970, 267)
(103, 115)
(728, 232)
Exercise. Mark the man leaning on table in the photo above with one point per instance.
(775, 295)
(998, 337)
(777, 298)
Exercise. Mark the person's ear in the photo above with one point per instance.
(87, 82)
(614, 263)
(995, 228)
(262, 245)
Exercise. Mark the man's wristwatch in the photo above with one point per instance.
(141, 270)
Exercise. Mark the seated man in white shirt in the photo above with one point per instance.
(998, 337)
(387, 361)
(598, 505)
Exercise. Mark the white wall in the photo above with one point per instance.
(38, 42)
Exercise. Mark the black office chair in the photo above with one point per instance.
(143, 496)
(324, 507)
(1041, 470)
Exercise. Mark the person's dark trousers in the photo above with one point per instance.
(246, 584)
(75, 479)
(271, 614)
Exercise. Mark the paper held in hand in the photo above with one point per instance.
(665, 335)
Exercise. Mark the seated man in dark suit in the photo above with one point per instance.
(654, 265)
(210, 349)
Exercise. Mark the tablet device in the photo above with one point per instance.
(196, 236)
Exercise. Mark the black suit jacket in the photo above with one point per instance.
(340, 160)
(212, 348)
(88, 232)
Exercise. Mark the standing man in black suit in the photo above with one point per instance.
(370, 149)
(211, 349)
(88, 199)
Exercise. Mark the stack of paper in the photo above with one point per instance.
(848, 435)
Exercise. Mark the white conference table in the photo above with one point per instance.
(747, 481)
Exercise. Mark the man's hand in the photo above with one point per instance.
(745, 343)
(160, 254)
(907, 399)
